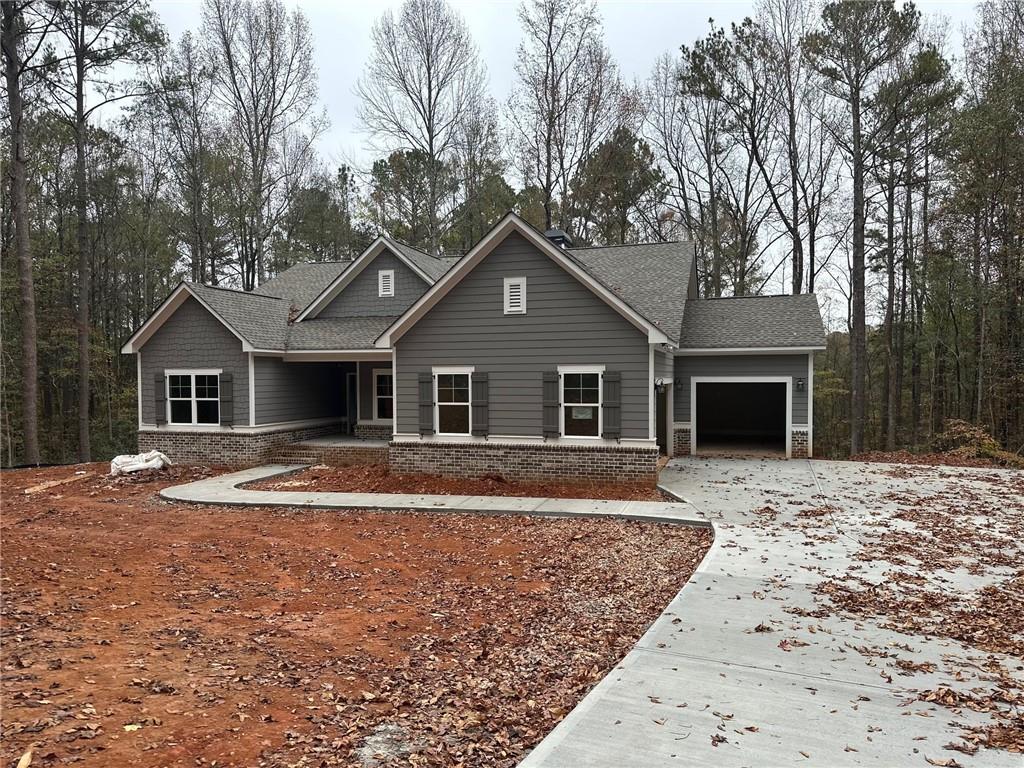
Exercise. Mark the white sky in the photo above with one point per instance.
(636, 32)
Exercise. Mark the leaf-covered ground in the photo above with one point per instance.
(139, 632)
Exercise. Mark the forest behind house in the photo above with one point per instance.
(850, 149)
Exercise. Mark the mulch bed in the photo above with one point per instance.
(934, 459)
(376, 478)
(142, 632)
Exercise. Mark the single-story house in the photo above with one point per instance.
(526, 357)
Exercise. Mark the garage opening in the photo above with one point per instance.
(741, 417)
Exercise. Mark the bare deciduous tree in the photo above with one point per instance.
(422, 81)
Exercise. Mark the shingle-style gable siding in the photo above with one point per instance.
(740, 365)
(565, 324)
(359, 298)
(193, 338)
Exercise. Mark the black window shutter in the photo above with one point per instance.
(227, 399)
(550, 422)
(426, 383)
(612, 405)
(480, 397)
(160, 398)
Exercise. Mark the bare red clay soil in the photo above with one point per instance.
(145, 633)
(376, 478)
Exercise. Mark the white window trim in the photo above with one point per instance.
(192, 372)
(383, 274)
(377, 372)
(457, 370)
(564, 369)
(521, 282)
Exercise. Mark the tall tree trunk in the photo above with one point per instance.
(858, 333)
(84, 263)
(12, 30)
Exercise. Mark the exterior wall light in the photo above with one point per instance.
(800, 385)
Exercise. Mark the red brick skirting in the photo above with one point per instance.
(608, 464)
(798, 443)
(681, 440)
(225, 447)
(373, 431)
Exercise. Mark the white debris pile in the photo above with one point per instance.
(122, 465)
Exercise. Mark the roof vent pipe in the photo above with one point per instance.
(559, 238)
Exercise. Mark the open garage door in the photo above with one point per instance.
(741, 417)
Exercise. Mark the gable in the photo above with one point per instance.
(359, 298)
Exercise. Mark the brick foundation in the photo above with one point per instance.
(373, 431)
(798, 444)
(608, 464)
(681, 441)
(346, 455)
(225, 448)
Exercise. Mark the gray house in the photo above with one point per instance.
(526, 357)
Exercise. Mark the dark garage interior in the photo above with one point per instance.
(741, 417)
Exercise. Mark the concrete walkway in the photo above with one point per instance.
(733, 673)
(710, 685)
(223, 490)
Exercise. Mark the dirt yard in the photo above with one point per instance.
(139, 632)
(376, 478)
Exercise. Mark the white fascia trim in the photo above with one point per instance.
(163, 313)
(747, 351)
(591, 442)
(787, 380)
(512, 223)
(373, 250)
(252, 389)
(259, 429)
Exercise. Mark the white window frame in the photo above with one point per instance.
(191, 372)
(382, 275)
(564, 369)
(456, 370)
(378, 372)
(521, 282)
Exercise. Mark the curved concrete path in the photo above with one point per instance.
(223, 489)
(731, 674)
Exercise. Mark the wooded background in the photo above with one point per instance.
(844, 148)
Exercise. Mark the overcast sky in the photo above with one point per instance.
(636, 32)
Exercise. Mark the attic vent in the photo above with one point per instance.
(515, 295)
(386, 282)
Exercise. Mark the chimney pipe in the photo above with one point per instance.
(559, 238)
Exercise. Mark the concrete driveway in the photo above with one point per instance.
(750, 666)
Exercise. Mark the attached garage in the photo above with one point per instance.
(741, 415)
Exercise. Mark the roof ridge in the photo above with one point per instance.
(754, 296)
(626, 245)
(233, 290)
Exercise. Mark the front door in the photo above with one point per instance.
(351, 402)
(661, 426)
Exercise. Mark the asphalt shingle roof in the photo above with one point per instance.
(261, 320)
(301, 283)
(652, 278)
(337, 332)
(754, 321)
(431, 267)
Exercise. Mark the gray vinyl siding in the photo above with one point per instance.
(360, 299)
(298, 391)
(366, 370)
(740, 365)
(663, 367)
(193, 338)
(565, 324)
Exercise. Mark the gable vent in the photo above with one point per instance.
(515, 295)
(386, 282)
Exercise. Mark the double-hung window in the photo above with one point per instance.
(581, 401)
(383, 394)
(451, 399)
(193, 397)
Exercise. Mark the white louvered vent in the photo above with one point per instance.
(386, 282)
(515, 295)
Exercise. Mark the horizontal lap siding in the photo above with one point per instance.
(193, 338)
(565, 324)
(297, 391)
(366, 387)
(360, 299)
(663, 367)
(740, 365)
